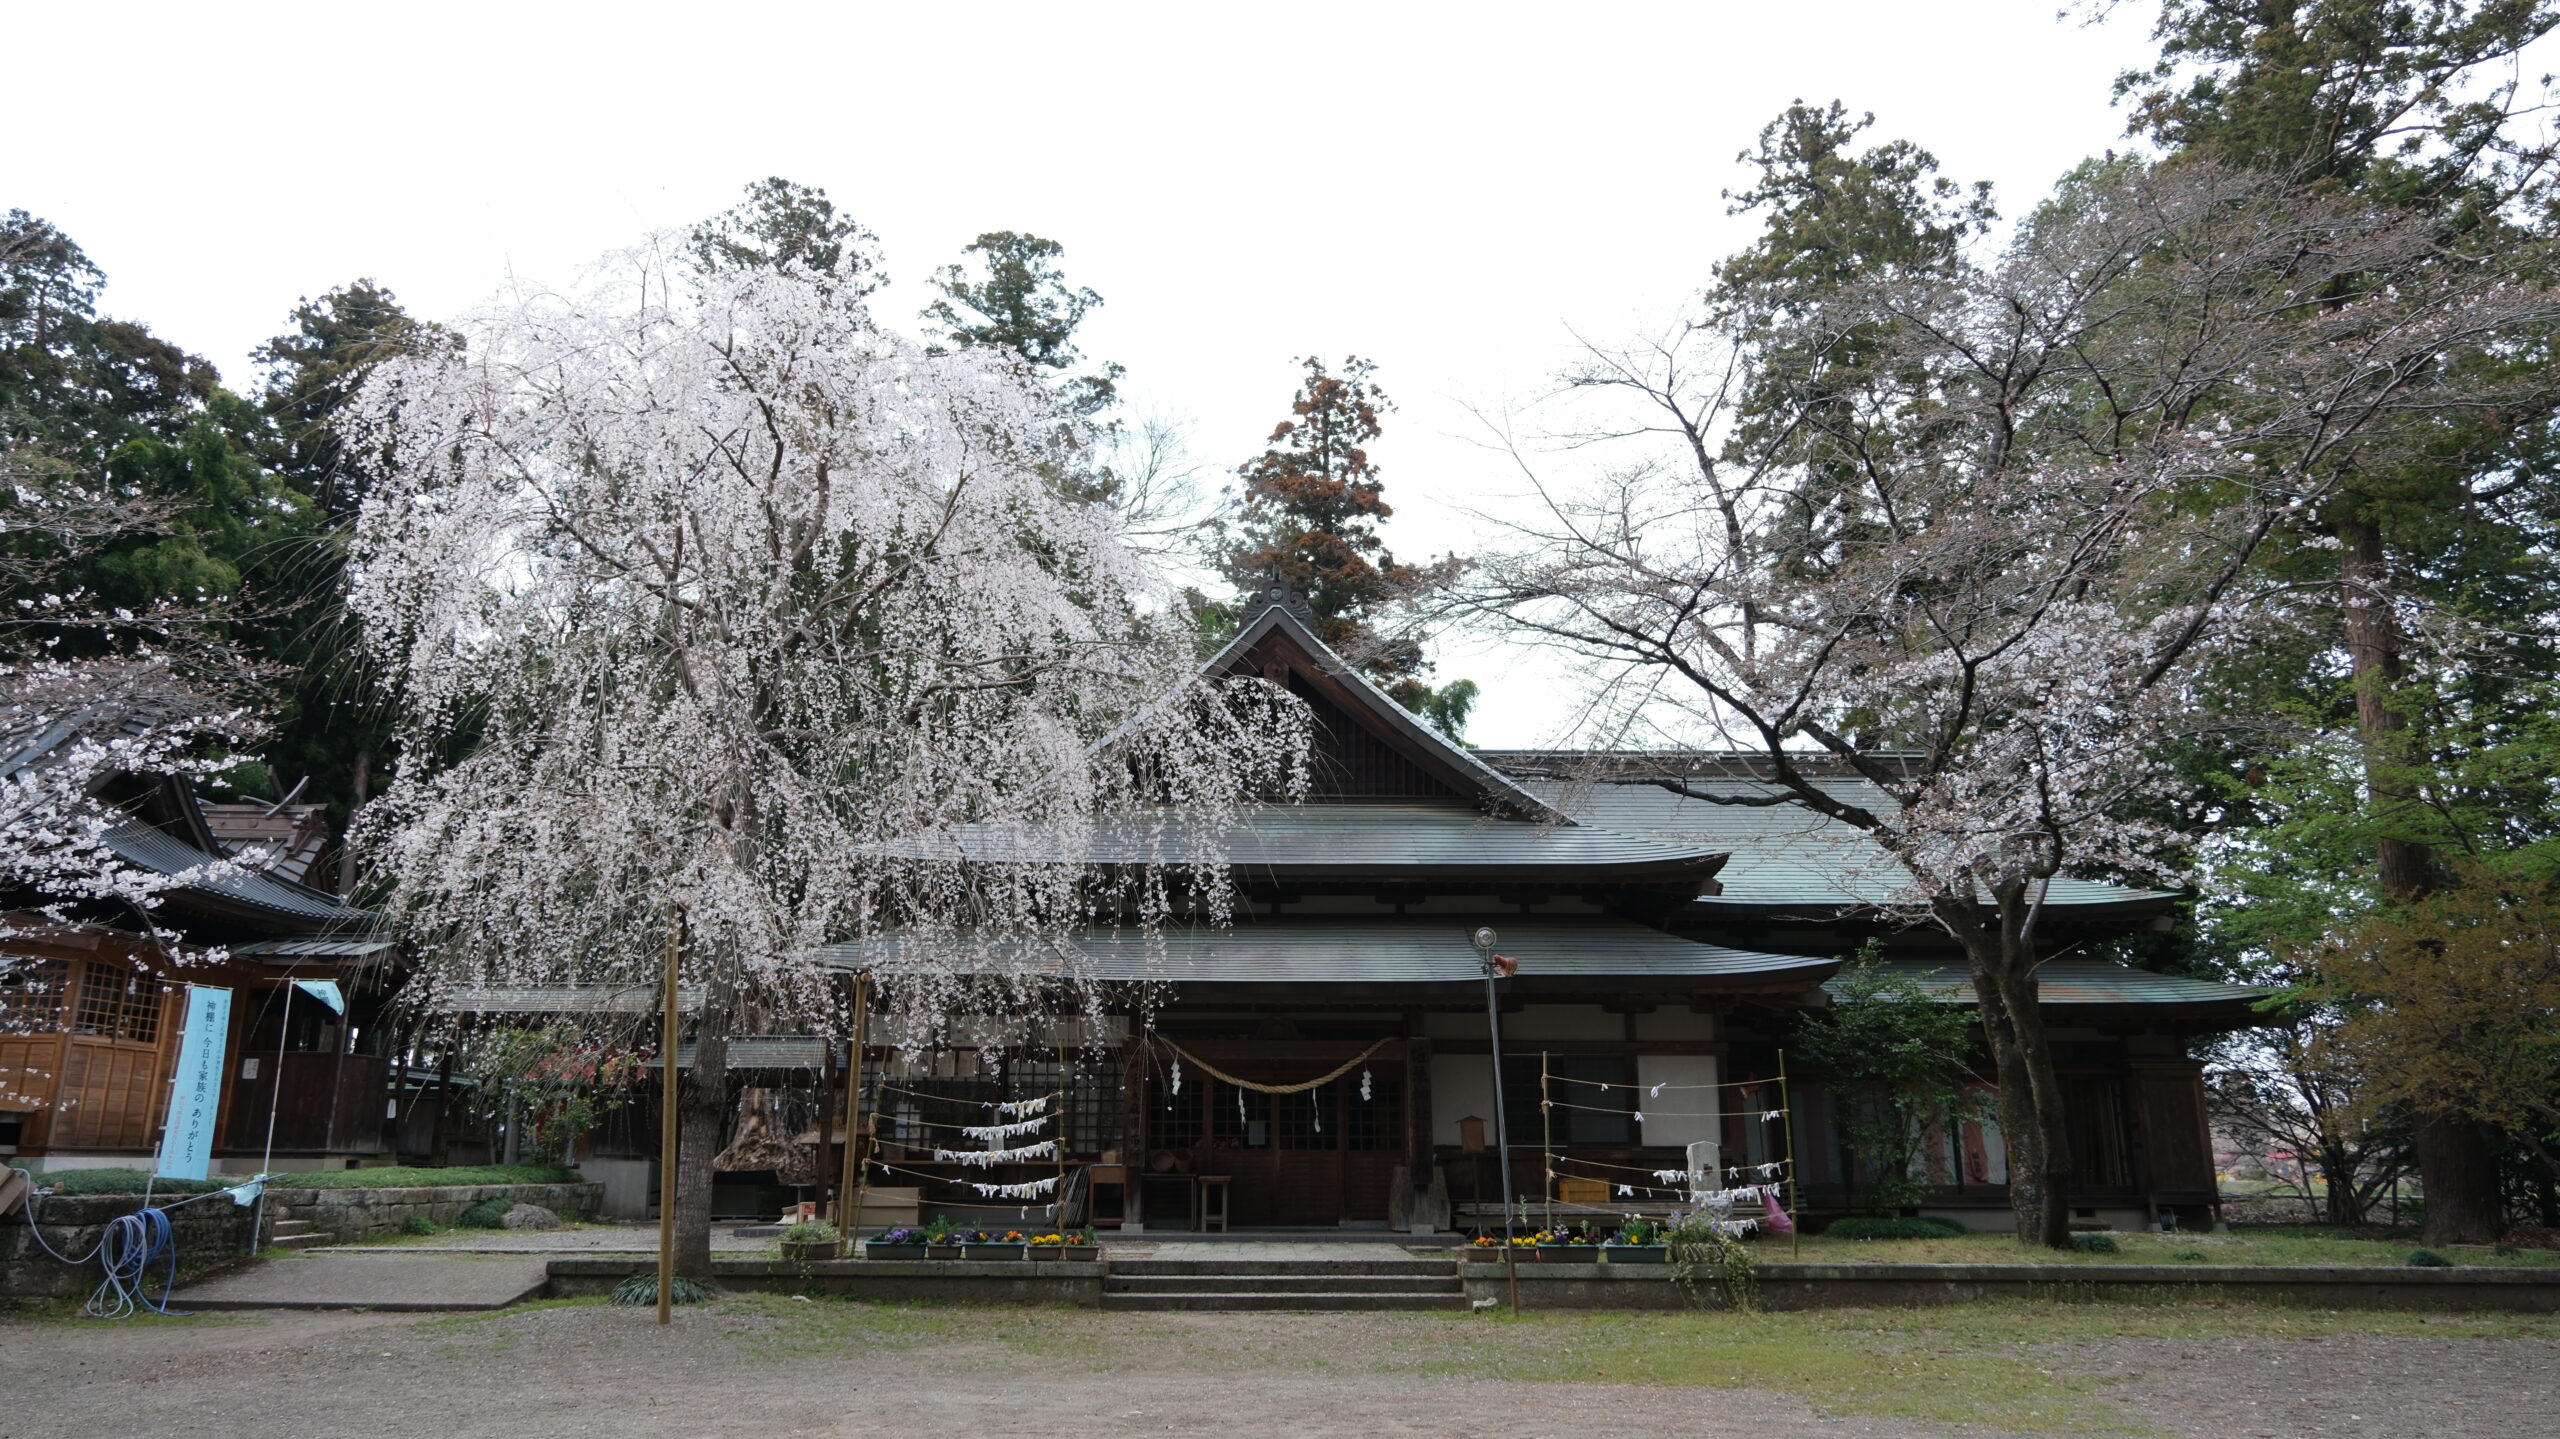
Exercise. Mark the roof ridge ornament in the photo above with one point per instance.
(1277, 594)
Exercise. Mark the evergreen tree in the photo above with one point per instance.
(784, 223)
(1309, 524)
(1008, 292)
(2412, 104)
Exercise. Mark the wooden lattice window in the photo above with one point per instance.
(119, 1004)
(31, 992)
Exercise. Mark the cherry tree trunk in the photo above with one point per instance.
(2033, 1127)
(702, 1109)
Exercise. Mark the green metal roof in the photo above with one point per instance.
(1781, 855)
(563, 999)
(1414, 950)
(2078, 981)
(1354, 840)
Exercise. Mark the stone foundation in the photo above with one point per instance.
(347, 1215)
(210, 1232)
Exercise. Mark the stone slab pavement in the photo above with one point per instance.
(380, 1279)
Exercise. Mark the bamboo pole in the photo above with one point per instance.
(1547, 1139)
(667, 1129)
(849, 1192)
(1787, 1127)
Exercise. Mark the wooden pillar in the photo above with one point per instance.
(1133, 1140)
(1420, 1167)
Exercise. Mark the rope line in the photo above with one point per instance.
(1348, 1065)
(882, 1086)
(1654, 1088)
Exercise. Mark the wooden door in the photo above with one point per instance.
(1312, 1159)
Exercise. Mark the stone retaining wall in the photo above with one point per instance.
(1825, 1286)
(209, 1230)
(347, 1215)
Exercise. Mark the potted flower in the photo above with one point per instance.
(1566, 1246)
(1638, 1241)
(987, 1244)
(1487, 1249)
(810, 1240)
(941, 1241)
(1071, 1248)
(903, 1243)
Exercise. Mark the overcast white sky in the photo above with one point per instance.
(1442, 188)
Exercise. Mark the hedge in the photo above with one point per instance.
(1863, 1228)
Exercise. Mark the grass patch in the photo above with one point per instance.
(393, 1176)
(404, 1176)
(119, 1181)
(2307, 1245)
(1862, 1227)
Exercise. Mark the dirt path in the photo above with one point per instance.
(783, 1367)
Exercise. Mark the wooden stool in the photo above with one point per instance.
(1099, 1177)
(1213, 1187)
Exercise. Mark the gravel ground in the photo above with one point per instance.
(781, 1367)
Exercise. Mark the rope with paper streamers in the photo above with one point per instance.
(1767, 1116)
(1662, 1087)
(1032, 1190)
(1004, 1108)
(1348, 1065)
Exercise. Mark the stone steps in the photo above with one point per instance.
(296, 1234)
(1270, 1285)
(1227, 1302)
(1309, 1284)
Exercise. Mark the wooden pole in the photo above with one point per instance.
(1502, 1140)
(1787, 1127)
(667, 1129)
(1066, 1087)
(849, 1205)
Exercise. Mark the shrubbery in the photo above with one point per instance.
(1870, 1228)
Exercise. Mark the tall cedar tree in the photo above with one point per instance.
(2413, 104)
(331, 724)
(1312, 504)
(1008, 292)
(115, 409)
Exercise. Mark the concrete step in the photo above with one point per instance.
(283, 1228)
(1415, 1266)
(1234, 1301)
(1303, 1284)
(304, 1240)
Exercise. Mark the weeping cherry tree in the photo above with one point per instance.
(707, 596)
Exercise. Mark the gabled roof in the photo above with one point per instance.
(1330, 952)
(1384, 842)
(1285, 647)
(2095, 983)
(1784, 856)
(262, 896)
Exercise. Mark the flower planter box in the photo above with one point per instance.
(1068, 1253)
(942, 1251)
(1483, 1253)
(876, 1250)
(1568, 1253)
(992, 1251)
(812, 1253)
(1636, 1253)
